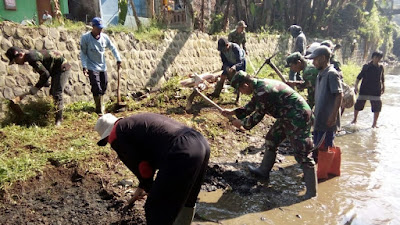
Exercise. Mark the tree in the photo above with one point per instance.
(138, 23)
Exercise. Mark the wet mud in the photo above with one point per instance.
(66, 195)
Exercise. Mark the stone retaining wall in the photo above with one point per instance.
(145, 64)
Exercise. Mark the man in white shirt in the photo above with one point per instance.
(93, 45)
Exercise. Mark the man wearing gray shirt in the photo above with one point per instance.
(93, 46)
(328, 97)
(300, 44)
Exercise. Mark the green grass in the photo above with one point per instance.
(152, 33)
(350, 72)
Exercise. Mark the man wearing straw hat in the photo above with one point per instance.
(147, 142)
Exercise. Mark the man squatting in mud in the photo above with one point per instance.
(146, 142)
(233, 59)
(293, 116)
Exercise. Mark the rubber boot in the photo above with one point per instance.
(98, 101)
(310, 178)
(185, 216)
(218, 88)
(59, 118)
(266, 165)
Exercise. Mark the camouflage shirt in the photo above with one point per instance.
(335, 62)
(310, 74)
(238, 38)
(273, 98)
(46, 63)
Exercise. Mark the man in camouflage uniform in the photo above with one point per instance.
(293, 121)
(298, 63)
(238, 35)
(47, 64)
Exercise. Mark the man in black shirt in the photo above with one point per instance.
(146, 142)
(372, 87)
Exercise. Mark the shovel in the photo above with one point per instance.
(120, 104)
(14, 104)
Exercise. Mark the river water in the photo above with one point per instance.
(367, 192)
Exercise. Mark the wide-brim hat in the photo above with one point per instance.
(104, 127)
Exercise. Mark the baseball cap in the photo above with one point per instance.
(321, 50)
(12, 53)
(238, 78)
(104, 127)
(241, 24)
(97, 22)
(292, 58)
(222, 42)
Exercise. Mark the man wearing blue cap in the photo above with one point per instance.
(93, 59)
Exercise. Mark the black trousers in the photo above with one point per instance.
(179, 179)
(98, 81)
(58, 83)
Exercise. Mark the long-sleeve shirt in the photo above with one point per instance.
(300, 44)
(143, 142)
(46, 63)
(273, 98)
(235, 56)
(93, 51)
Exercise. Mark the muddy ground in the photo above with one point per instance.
(70, 194)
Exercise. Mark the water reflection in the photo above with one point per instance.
(365, 193)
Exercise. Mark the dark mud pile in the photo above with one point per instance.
(65, 195)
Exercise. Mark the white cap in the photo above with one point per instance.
(104, 127)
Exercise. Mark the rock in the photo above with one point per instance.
(43, 30)
(48, 44)
(5, 44)
(126, 183)
(39, 44)
(63, 35)
(9, 30)
(27, 43)
(8, 93)
(78, 90)
(71, 45)
(54, 34)
(21, 32)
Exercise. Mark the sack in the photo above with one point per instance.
(349, 96)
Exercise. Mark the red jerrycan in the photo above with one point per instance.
(335, 167)
(325, 159)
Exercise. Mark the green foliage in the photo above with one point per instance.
(350, 72)
(152, 33)
(216, 23)
(123, 10)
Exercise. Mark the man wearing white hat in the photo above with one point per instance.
(146, 142)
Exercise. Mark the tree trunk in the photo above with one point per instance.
(226, 15)
(237, 10)
(202, 16)
(189, 12)
(151, 8)
(138, 23)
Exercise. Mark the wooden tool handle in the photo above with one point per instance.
(212, 103)
(277, 71)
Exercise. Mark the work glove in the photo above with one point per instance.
(33, 90)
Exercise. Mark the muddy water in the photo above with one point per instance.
(367, 192)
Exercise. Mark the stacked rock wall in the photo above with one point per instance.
(145, 64)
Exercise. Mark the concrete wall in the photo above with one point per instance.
(25, 10)
(145, 64)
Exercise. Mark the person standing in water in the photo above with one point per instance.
(372, 87)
